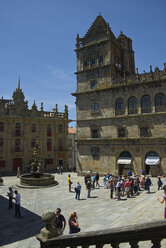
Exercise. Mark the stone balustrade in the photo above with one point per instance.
(131, 234)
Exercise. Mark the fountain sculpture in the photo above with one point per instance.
(37, 178)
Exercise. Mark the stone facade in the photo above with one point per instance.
(20, 126)
(121, 115)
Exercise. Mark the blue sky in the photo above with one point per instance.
(37, 42)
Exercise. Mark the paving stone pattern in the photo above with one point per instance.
(95, 213)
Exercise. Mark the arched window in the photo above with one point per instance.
(160, 103)
(86, 62)
(120, 104)
(132, 105)
(119, 107)
(146, 104)
(160, 100)
(132, 102)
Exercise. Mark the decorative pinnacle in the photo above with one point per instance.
(19, 83)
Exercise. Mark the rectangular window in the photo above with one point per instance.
(1, 126)
(33, 128)
(48, 130)
(92, 85)
(1, 142)
(60, 128)
(94, 133)
(48, 145)
(121, 132)
(95, 107)
(60, 144)
(93, 61)
(86, 62)
(18, 129)
(17, 145)
(101, 59)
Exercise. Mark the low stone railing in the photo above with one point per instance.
(132, 234)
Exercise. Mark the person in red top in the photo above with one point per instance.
(127, 187)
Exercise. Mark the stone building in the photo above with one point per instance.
(121, 114)
(19, 128)
(72, 153)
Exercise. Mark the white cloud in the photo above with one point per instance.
(59, 79)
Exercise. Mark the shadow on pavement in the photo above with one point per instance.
(14, 229)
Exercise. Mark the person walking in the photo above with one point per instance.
(69, 182)
(159, 182)
(111, 186)
(93, 181)
(105, 182)
(163, 200)
(61, 169)
(78, 190)
(97, 179)
(127, 187)
(89, 186)
(10, 195)
(142, 181)
(73, 223)
(148, 183)
(17, 204)
(60, 222)
(118, 188)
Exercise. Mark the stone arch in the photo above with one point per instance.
(152, 163)
(124, 162)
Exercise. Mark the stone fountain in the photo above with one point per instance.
(37, 178)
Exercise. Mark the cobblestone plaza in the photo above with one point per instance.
(96, 213)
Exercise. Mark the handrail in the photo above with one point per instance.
(132, 234)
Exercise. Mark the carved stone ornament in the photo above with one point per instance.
(48, 231)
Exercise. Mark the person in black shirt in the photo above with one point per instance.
(60, 222)
(97, 179)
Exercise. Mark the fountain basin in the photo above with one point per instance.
(40, 180)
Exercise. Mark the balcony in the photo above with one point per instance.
(146, 110)
(119, 112)
(132, 235)
(160, 108)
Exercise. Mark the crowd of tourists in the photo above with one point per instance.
(120, 186)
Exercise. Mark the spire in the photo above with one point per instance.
(19, 83)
